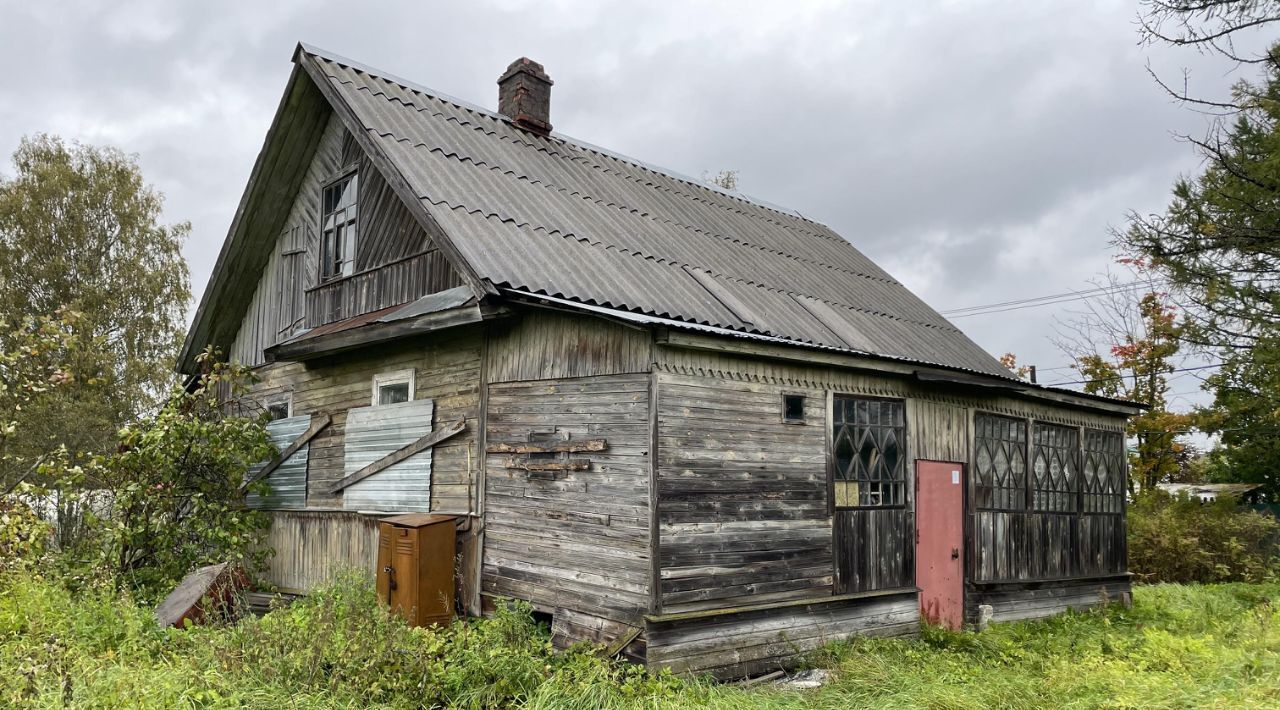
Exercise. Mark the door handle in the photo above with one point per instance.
(955, 553)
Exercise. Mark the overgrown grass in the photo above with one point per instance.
(1179, 646)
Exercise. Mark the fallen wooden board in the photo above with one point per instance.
(206, 591)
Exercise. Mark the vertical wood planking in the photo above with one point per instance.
(542, 345)
(259, 328)
(312, 548)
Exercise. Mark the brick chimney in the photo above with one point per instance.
(524, 96)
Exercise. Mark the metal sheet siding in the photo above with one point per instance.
(555, 216)
(289, 481)
(374, 432)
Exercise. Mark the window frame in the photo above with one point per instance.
(1025, 499)
(1119, 499)
(393, 377)
(347, 267)
(1075, 456)
(274, 399)
(904, 462)
(783, 413)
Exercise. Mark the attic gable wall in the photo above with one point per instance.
(387, 232)
(261, 326)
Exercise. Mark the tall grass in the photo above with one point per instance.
(1178, 646)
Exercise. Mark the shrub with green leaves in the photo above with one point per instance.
(1181, 539)
(177, 486)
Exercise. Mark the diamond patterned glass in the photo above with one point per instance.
(869, 440)
(1000, 463)
(1055, 469)
(1103, 472)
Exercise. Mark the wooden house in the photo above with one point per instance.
(702, 427)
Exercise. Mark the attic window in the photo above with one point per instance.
(793, 409)
(393, 387)
(338, 227)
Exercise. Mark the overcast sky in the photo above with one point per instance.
(979, 151)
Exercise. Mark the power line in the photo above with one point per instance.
(1120, 377)
(1052, 299)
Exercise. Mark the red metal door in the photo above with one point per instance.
(940, 542)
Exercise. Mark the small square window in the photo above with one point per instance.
(393, 387)
(279, 407)
(793, 408)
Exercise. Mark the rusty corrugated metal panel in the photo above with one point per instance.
(560, 217)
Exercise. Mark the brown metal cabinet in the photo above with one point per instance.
(415, 566)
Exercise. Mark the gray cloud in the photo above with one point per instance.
(978, 151)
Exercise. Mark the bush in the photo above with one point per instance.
(24, 537)
(337, 647)
(1180, 539)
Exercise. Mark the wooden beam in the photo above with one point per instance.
(316, 427)
(534, 447)
(376, 332)
(622, 642)
(401, 454)
(810, 601)
(565, 465)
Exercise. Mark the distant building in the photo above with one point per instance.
(1244, 492)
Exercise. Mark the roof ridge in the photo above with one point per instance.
(548, 149)
(467, 105)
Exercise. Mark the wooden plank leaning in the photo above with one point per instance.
(316, 427)
(429, 440)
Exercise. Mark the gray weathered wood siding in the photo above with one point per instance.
(446, 371)
(742, 497)
(544, 345)
(396, 258)
(374, 289)
(388, 231)
(751, 642)
(260, 327)
(719, 417)
(1019, 601)
(578, 539)
(311, 548)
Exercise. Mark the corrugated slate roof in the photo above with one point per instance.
(555, 216)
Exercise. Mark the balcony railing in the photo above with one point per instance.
(391, 284)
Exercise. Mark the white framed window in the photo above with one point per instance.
(279, 406)
(393, 387)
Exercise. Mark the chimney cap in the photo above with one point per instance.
(527, 66)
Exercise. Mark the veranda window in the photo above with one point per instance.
(1055, 469)
(870, 457)
(1000, 462)
(1103, 473)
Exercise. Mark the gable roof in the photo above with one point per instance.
(559, 217)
